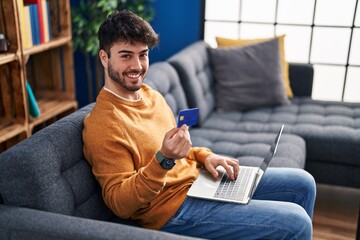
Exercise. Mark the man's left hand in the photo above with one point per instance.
(230, 165)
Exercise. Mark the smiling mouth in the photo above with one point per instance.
(133, 75)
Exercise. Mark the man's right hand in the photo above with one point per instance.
(176, 143)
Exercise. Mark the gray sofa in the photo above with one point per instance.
(331, 130)
(47, 189)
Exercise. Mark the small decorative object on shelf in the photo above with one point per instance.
(33, 106)
(3, 43)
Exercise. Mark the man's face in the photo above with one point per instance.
(128, 65)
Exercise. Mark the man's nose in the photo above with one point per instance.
(136, 63)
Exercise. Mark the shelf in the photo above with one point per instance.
(9, 130)
(54, 43)
(47, 67)
(7, 57)
(50, 107)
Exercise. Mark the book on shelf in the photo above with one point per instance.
(34, 109)
(23, 27)
(28, 38)
(40, 17)
(46, 17)
(48, 13)
(35, 22)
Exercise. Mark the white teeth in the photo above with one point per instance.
(133, 75)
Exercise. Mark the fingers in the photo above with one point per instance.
(234, 163)
(177, 143)
(228, 169)
(170, 134)
(213, 171)
(230, 165)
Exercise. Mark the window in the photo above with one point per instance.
(325, 33)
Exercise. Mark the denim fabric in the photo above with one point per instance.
(282, 208)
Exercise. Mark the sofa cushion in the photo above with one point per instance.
(162, 77)
(227, 42)
(251, 148)
(193, 67)
(248, 77)
(48, 172)
(331, 129)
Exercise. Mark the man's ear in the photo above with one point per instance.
(103, 58)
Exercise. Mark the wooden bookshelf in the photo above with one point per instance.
(48, 67)
(7, 58)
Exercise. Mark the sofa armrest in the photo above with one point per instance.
(301, 79)
(24, 223)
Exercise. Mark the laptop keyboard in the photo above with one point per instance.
(234, 190)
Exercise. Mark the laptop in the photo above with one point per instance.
(239, 191)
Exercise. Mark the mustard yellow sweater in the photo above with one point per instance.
(120, 141)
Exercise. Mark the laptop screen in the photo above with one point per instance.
(272, 151)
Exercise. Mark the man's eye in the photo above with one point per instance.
(125, 56)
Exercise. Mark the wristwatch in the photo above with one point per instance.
(166, 163)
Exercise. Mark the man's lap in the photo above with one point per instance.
(277, 208)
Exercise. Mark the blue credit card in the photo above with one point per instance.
(188, 117)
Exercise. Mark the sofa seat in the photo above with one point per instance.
(249, 148)
(331, 130)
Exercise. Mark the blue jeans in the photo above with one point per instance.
(281, 208)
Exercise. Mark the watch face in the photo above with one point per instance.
(167, 163)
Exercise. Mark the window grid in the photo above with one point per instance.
(312, 26)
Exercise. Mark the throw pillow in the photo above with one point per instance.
(227, 42)
(248, 77)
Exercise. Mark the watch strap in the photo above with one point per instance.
(165, 163)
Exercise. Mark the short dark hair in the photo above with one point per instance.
(128, 27)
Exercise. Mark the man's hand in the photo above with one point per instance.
(177, 143)
(230, 165)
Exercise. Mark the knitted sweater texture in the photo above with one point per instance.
(121, 139)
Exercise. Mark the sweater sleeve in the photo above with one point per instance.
(125, 190)
(199, 154)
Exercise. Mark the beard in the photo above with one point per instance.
(115, 76)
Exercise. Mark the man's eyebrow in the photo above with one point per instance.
(127, 51)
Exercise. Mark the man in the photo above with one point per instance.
(146, 165)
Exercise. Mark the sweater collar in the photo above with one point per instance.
(125, 99)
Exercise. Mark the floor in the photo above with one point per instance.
(336, 213)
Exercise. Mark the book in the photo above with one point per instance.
(28, 27)
(49, 18)
(34, 109)
(40, 18)
(24, 35)
(45, 20)
(34, 24)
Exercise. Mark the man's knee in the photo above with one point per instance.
(297, 223)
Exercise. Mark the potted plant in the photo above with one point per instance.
(87, 17)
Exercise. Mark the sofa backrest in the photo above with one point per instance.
(193, 67)
(48, 172)
(162, 77)
(301, 79)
